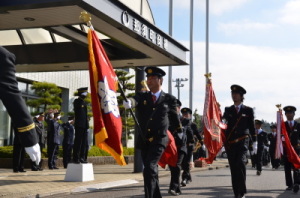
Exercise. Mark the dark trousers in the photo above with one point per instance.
(151, 155)
(18, 157)
(186, 174)
(259, 158)
(67, 152)
(80, 144)
(253, 160)
(52, 155)
(274, 162)
(175, 173)
(287, 171)
(237, 159)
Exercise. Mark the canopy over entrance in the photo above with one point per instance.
(47, 35)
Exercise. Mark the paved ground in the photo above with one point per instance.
(51, 182)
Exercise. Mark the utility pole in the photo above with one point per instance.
(191, 54)
(178, 85)
(170, 33)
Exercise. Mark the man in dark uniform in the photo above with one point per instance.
(53, 141)
(157, 114)
(68, 140)
(240, 128)
(293, 130)
(272, 148)
(262, 141)
(81, 127)
(191, 130)
(12, 99)
(40, 130)
(174, 188)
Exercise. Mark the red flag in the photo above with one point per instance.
(169, 156)
(213, 127)
(290, 152)
(107, 120)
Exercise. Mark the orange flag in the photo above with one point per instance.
(213, 127)
(107, 119)
(290, 152)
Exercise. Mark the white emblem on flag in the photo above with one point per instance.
(108, 97)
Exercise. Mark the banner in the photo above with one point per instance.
(213, 127)
(279, 148)
(107, 120)
(170, 155)
(289, 150)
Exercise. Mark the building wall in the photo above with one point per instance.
(68, 79)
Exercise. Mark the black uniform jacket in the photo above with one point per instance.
(273, 140)
(294, 134)
(68, 133)
(80, 109)
(13, 101)
(262, 140)
(40, 130)
(53, 132)
(239, 124)
(156, 119)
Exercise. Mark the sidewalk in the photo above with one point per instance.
(51, 182)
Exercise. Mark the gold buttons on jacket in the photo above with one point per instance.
(149, 129)
(153, 109)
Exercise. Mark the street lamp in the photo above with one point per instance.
(178, 84)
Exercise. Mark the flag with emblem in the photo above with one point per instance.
(289, 150)
(103, 81)
(213, 127)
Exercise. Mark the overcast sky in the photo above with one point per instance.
(253, 43)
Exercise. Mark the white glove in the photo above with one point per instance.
(34, 153)
(283, 139)
(180, 135)
(127, 105)
(254, 148)
(266, 147)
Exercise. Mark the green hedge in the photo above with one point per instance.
(7, 152)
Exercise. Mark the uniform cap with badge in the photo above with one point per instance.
(186, 110)
(82, 90)
(238, 89)
(290, 109)
(154, 71)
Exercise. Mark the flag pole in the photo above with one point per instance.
(132, 114)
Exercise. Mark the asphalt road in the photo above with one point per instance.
(209, 183)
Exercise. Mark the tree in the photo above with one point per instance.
(127, 120)
(198, 120)
(48, 96)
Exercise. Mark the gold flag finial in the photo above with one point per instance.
(208, 76)
(86, 18)
(144, 86)
(278, 106)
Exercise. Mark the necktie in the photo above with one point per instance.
(291, 125)
(237, 109)
(154, 98)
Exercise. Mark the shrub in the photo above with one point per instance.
(7, 152)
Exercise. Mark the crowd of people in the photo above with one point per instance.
(48, 127)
